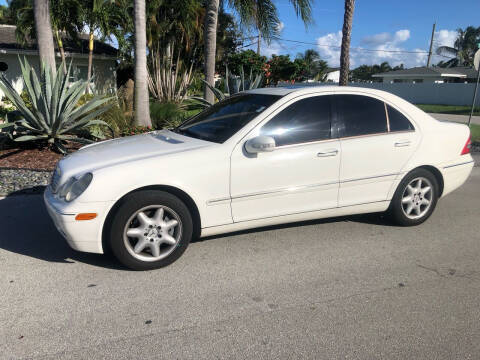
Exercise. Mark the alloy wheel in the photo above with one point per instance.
(417, 198)
(152, 233)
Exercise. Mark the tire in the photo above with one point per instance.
(155, 238)
(412, 211)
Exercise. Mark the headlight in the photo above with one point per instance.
(74, 187)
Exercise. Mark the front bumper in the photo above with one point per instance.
(85, 236)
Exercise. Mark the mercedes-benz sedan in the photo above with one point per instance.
(262, 157)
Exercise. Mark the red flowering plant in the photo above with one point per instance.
(135, 130)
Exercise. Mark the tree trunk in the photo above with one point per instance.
(259, 42)
(142, 110)
(210, 43)
(346, 35)
(61, 49)
(91, 41)
(43, 28)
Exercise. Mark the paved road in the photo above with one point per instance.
(351, 287)
(456, 118)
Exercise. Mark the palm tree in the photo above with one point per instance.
(210, 44)
(259, 14)
(463, 49)
(43, 27)
(99, 15)
(315, 66)
(64, 19)
(142, 112)
(346, 35)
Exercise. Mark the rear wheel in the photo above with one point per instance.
(150, 229)
(415, 198)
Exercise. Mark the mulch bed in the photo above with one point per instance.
(32, 158)
(27, 170)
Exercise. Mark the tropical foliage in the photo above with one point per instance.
(54, 116)
(463, 49)
(315, 67)
(231, 85)
(364, 73)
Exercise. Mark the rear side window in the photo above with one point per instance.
(359, 115)
(397, 121)
(304, 121)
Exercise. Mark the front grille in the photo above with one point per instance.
(55, 180)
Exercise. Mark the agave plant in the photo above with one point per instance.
(233, 85)
(54, 115)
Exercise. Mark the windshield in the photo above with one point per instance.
(220, 121)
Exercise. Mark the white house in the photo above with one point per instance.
(76, 52)
(333, 75)
(425, 74)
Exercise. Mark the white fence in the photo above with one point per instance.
(423, 93)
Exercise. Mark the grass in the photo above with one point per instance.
(475, 133)
(449, 109)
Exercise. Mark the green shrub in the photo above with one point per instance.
(54, 117)
(166, 115)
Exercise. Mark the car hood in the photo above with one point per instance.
(122, 150)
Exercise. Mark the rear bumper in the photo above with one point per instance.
(85, 236)
(454, 175)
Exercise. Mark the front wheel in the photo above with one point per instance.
(415, 198)
(150, 229)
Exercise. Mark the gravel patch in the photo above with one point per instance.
(22, 181)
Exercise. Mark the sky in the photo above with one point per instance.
(391, 25)
(381, 25)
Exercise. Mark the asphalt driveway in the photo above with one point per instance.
(352, 287)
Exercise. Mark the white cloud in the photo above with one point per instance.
(329, 47)
(273, 48)
(280, 26)
(401, 36)
(445, 38)
(386, 46)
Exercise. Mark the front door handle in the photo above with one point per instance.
(403, 143)
(327, 153)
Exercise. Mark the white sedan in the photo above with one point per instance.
(262, 157)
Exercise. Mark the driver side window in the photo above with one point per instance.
(306, 120)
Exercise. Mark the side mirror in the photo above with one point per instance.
(260, 144)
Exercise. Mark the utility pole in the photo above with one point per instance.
(431, 45)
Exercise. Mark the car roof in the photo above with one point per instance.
(301, 89)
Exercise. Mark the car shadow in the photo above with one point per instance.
(26, 229)
(372, 219)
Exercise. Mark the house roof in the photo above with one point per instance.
(8, 41)
(423, 71)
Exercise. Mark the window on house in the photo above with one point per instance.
(82, 72)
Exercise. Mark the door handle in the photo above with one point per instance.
(327, 153)
(403, 143)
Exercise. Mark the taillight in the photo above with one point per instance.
(466, 148)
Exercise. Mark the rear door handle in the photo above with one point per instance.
(327, 153)
(403, 143)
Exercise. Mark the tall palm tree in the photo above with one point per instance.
(210, 45)
(346, 35)
(464, 48)
(98, 16)
(64, 20)
(259, 14)
(43, 27)
(316, 67)
(142, 111)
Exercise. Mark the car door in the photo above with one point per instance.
(299, 175)
(376, 142)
